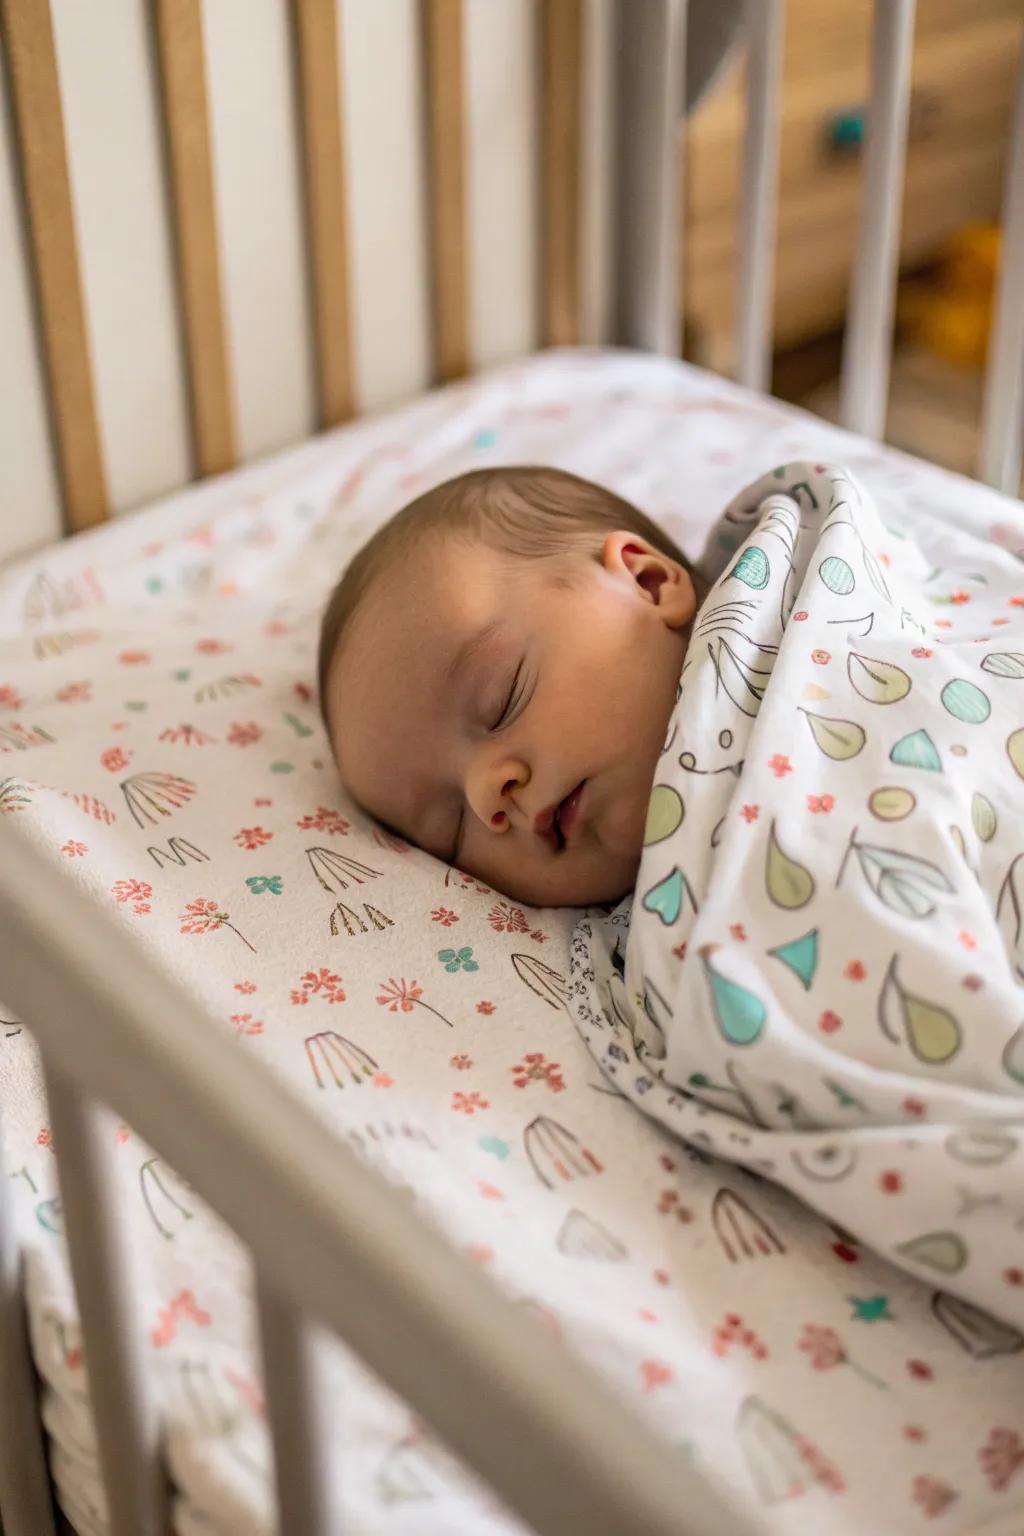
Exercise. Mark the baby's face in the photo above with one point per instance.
(509, 723)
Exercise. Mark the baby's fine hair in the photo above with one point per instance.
(528, 511)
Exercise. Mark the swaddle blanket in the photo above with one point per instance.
(819, 973)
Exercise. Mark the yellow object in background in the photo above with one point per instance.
(950, 312)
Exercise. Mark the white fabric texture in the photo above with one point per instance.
(822, 979)
(159, 738)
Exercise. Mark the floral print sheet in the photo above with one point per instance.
(159, 740)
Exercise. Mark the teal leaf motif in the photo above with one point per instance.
(666, 898)
(752, 568)
(457, 960)
(260, 884)
(739, 1013)
(916, 751)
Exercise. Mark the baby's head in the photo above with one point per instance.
(497, 670)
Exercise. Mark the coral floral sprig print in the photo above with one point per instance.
(825, 1349)
(135, 892)
(933, 1496)
(182, 1308)
(469, 1103)
(205, 916)
(1001, 1458)
(534, 1068)
(323, 819)
(403, 996)
(322, 984)
(252, 837)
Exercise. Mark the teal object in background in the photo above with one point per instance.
(846, 131)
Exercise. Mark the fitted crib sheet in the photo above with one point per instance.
(159, 739)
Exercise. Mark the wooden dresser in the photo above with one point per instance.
(965, 55)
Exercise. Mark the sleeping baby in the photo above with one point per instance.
(805, 760)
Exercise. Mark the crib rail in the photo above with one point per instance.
(332, 1243)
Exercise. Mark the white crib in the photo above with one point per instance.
(276, 281)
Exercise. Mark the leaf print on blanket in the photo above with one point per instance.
(916, 750)
(789, 885)
(838, 739)
(738, 679)
(983, 817)
(1010, 914)
(837, 575)
(1015, 750)
(930, 1030)
(903, 882)
(667, 896)
(880, 682)
(800, 956)
(739, 1013)
(665, 813)
(152, 795)
(752, 568)
(1009, 664)
(965, 702)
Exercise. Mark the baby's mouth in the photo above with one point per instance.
(560, 825)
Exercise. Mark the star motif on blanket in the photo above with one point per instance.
(871, 1309)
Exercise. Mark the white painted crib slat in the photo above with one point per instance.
(24, 1486)
(758, 205)
(1002, 425)
(123, 1409)
(651, 55)
(299, 1431)
(867, 346)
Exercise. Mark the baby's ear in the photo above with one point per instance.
(657, 578)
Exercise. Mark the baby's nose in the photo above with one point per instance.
(491, 792)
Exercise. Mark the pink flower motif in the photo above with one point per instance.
(402, 995)
(891, 1182)
(943, 624)
(799, 618)
(10, 698)
(780, 765)
(829, 1022)
(920, 1370)
(973, 983)
(738, 932)
(654, 1374)
(821, 658)
(244, 733)
(933, 1495)
(134, 658)
(967, 939)
(73, 850)
(444, 916)
(252, 837)
(72, 693)
(820, 804)
(855, 970)
(469, 1103)
(539, 936)
(212, 647)
(248, 987)
(321, 983)
(750, 812)
(534, 1069)
(324, 820)
(506, 919)
(485, 1007)
(461, 1063)
(959, 598)
(188, 735)
(245, 1024)
(138, 892)
(44, 1137)
(115, 758)
(914, 1106)
(204, 916)
(823, 1346)
(922, 653)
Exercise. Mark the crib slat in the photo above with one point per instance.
(1002, 423)
(179, 32)
(31, 48)
(562, 50)
(318, 50)
(24, 1486)
(867, 344)
(125, 1415)
(443, 60)
(758, 206)
(299, 1432)
(651, 56)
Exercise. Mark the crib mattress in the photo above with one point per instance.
(159, 739)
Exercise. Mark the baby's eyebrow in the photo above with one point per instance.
(469, 648)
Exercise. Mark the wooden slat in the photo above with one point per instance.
(445, 98)
(29, 42)
(563, 105)
(319, 68)
(179, 31)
